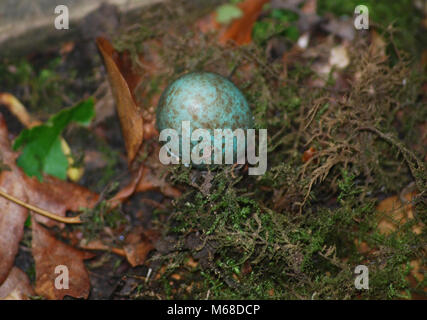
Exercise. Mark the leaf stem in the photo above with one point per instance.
(70, 220)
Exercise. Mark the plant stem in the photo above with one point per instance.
(71, 220)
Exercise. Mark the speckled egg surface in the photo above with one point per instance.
(207, 100)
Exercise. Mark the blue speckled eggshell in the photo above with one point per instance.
(208, 100)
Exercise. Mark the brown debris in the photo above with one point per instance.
(48, 253)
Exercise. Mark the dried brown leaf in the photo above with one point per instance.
(54, 195)
(12, 216)
(57, 196)
(131, 120)
(48, 253)
(12, 219)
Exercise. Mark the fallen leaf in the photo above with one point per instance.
(12, 219)
(12, 216)
(136, 253)
(392, 213)
(48, 253)
(17, 286)
(131, 120)
(48, 195)
(139, 244)
(240, 30)
(308, 154)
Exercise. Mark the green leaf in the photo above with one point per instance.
(227, 12)
(41, 144)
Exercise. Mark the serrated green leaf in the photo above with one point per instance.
(42, 152)
(227, 12)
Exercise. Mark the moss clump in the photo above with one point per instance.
(100, 217)
(295, 227)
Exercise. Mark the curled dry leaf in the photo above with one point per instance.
(131, 120)
(17, 286)
(48, 253)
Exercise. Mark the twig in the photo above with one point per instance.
(47, 214)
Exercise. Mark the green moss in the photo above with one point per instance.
(296, 226)
(42, 87)
(99, 217)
